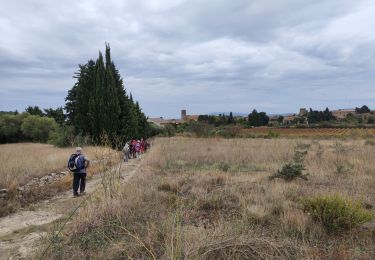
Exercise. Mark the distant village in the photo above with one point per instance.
(299, 118)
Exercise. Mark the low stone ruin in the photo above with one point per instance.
(35, 182)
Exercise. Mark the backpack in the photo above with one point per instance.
(76, 163)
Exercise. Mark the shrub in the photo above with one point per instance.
(295, 168)
(168, 187)
(370, 142)
(371, 120)
(223, 166)
(200, 129)
(170, 130)
(336, 213)
(62, 137)
(38, 128)
(10, 127)
(272, 134)
(230, 131)
(343, 167)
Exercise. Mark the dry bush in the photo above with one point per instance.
(183, 205)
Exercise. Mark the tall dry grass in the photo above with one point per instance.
(212, 199)
(22, 162)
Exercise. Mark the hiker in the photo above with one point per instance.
(138, 150)
(78, 163)
(143, 145)
(126, 152)
(148, 145)
(134, 152)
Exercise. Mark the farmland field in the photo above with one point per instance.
(213, 199)
(312, 132)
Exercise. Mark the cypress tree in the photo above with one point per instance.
(85, 88)
(98, 102)
(112, 108)
(99, 114)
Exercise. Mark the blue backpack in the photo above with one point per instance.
(76, 163)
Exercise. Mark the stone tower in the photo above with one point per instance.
(302, 112)
(183, 114)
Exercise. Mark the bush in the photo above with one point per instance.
(342, 166)
(200, 129)
(38, 128)
(156, 130)
(336, 213)
(295, 168)
(230, 131)
(370, 142)
(10, 127)
(371, 120)
(170, 130)
(272, 134)
(62, 137)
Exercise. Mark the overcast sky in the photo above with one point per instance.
(205, 56)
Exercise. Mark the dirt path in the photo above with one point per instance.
(20, 232)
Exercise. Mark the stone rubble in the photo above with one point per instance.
(35, 182)
(3, 193)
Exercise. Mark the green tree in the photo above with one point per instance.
(257, 119)
(38, 128)
(230, 118)
(10, 127)
(36, 111)
(362, 110)
(98, 102)
(57, 114)
(315, 116)
(111, 107)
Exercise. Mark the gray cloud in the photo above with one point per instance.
(201, 55)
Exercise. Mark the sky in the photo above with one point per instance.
(203, 56)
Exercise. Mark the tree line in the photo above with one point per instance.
(255, 118)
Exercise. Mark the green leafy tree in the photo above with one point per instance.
(38, 128)
(36, 111)
(257, 119)
(315, 116)
(10, 127)
(362, 110)
(57, 114)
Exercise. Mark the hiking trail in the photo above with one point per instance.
(20, 232)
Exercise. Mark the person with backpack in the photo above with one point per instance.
(134, 152)
(138, 149)
(126, 151)
(77, 164)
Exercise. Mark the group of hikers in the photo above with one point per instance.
(134, 149)
(78, 162)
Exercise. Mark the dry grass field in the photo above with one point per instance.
(312, 132)
(22, 162)
(212, 199)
